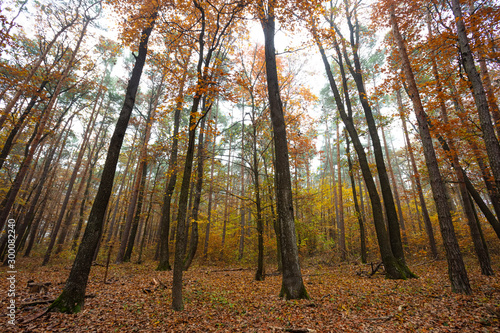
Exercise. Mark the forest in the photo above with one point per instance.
(249, 166)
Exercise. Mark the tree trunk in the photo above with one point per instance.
(148, 215)
(292, 286)
(340, 216)
(139, 188)
(395, 269)
(226, 200)
(480, 249)
(260, 273)
(164, 264)
(135, 205)
(130, 213)
(273, 217)
(362, 234)
(489, 137)
(193, 245)
(111, 229)
(385, 186)
(210, 190)
(180, 237)
(9, 142)
(395, 186)
(456, 267)
(93, 157)
(416, 178)
(73, 295)
(242, 192)
(333, 188)
(137, 216)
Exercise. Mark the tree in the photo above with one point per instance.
(72, 297)
(39, 133)
(354, 67)
(205, 78)
(489, 137)
(292, 286)
(456, 267)
(392, 265)
(172, 170)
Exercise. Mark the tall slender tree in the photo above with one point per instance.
(72, 297)
(292, 286)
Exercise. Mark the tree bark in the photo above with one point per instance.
(394, 268)
(489, 137)
(359, 215)
(385, 186)
(416, 178)
(164, 264)
(71, 183)
(340, 216)
(456, 268)
(210, 190)
(137, 216)
(468, 208)
(292, 286)
(193, 245)
(72, 297)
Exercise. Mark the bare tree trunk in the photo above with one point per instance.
(395, 186)
(333, 187)
(480, 249)
(292, 286)
(340, 216)
(416, 178)
(193, 245)
(73, 295)
(137, 216)
(456, 267)
(148, 215)
(112, 230)
(210, 190)
(164, 263)
(241, 247)
(226, 200)
(489, 137)
(385, 186)
(394, 267)
(359, 215)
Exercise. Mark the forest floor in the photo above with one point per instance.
(137, 299)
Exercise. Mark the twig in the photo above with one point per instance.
(293, 330)
(327, 295)
(36, 316)
(385, 318)
(45, 301)
(231, 270)
(376, 268)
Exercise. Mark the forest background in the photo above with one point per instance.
(151, 131)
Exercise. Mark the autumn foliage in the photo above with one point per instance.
(247, 143)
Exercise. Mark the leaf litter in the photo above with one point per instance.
(136, 298)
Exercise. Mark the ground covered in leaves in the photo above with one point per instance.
(137, 299)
